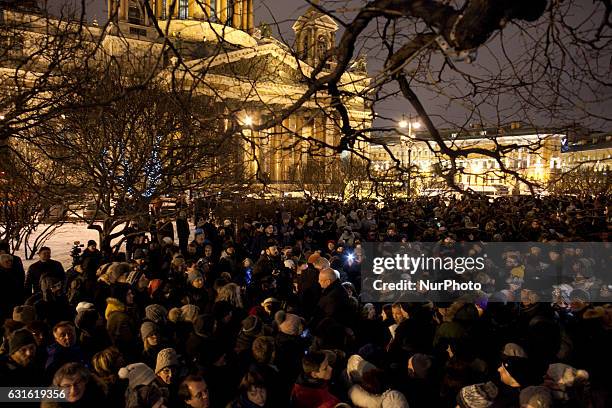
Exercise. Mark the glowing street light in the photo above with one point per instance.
(248, 120)
(403, 124)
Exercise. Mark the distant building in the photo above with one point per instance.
(537, 155)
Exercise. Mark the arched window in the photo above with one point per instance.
(135, 12)
(183, 13)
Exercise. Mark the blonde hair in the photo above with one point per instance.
(231, 294)
(107, 362)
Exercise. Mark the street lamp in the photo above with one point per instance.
(248, 120)
(409, 124)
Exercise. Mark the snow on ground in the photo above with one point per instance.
(62, 240)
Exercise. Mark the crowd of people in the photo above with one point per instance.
(268, 313)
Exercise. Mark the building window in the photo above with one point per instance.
(135, 13)
(183, 13)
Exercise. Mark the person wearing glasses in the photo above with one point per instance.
(193, 391)
(79, 387)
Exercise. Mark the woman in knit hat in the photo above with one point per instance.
(289, 323)
(195, 292)
(152, 343)
(180, 324)
(167, 371)
(142, 392)
(166, 366)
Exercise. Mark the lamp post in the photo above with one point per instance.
(407, 141)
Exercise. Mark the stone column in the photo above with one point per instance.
(251, 25)
(244, 15)
(236, 16)
(222, 13)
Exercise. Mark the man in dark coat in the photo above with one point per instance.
(334, 302)
(18, 270)
(11, 290)
(45, 266)
(182, 229)
(269, 261)
(91, 259)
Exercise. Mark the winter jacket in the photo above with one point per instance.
(335, 303)
(311, 393)
(388, 399)
(39, 269)
(59, 355)
(120, 326)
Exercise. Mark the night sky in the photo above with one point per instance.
(280, 15)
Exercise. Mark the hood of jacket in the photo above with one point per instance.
(113, 305)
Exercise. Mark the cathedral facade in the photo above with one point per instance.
(213, 49)
(256, 77)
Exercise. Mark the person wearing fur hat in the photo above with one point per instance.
(143, 391)
(18, 367)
